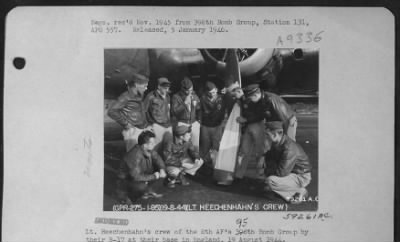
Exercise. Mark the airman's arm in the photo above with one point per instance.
(115, 110)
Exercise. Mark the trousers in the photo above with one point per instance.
(160, 131)
(188, 166)
(129, 188)
(210, 138)
(252, 146)
(289, 185)
(131, 137)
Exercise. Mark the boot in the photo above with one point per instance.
(171, 182)
(183, 180)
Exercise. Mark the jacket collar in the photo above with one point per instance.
(158, 94)
(135, 95)
(144, 153)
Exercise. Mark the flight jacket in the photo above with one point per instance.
(139, 166)
(174, 153)
(129, 109)
(181, 113)
(158, 109)
(285, 158)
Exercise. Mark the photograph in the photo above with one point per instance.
(199, 123)
(211, 129)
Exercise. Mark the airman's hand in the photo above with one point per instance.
(128, 126)
(163, 174)
(188, 100)
(241, 120)
(199, 161)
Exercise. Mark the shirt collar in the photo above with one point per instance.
(145, 153)
(213, 100)
(177, 142)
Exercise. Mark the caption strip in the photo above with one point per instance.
(206, 26)
(241, 231)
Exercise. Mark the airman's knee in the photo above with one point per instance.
(271, 181)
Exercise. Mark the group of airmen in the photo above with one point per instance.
(168, 138)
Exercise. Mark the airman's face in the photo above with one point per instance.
(213, 93)
(150, 145)
(163, 89)
(188, 91)
(187, 137)
(141, 87)
(269, 134)
(255, 97)
(237, 93)
(273, 135)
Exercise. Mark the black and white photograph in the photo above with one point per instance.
(211, 129)
(199, 124)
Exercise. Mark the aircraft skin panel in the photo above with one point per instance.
(120, 64)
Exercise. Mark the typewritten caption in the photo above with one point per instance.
(207, 26)
(240, 231)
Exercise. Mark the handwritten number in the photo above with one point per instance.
(309, 39)
(241, 222)
(299, 38)
(290, 38)
(318, 37)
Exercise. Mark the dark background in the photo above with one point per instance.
(393, 6)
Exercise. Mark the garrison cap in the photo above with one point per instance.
(186, 83)
(250, 89)
(139, 79)
(210, 86)
(163, 81)
(274, 125)
(181, 130)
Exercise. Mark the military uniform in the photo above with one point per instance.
(180, 156)
(212, 115)
(136, 172)
(129, 112)
(187, 115)
(277, 109)
(158, 113)
(252, 143)
(288, 168)
(269, 108)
